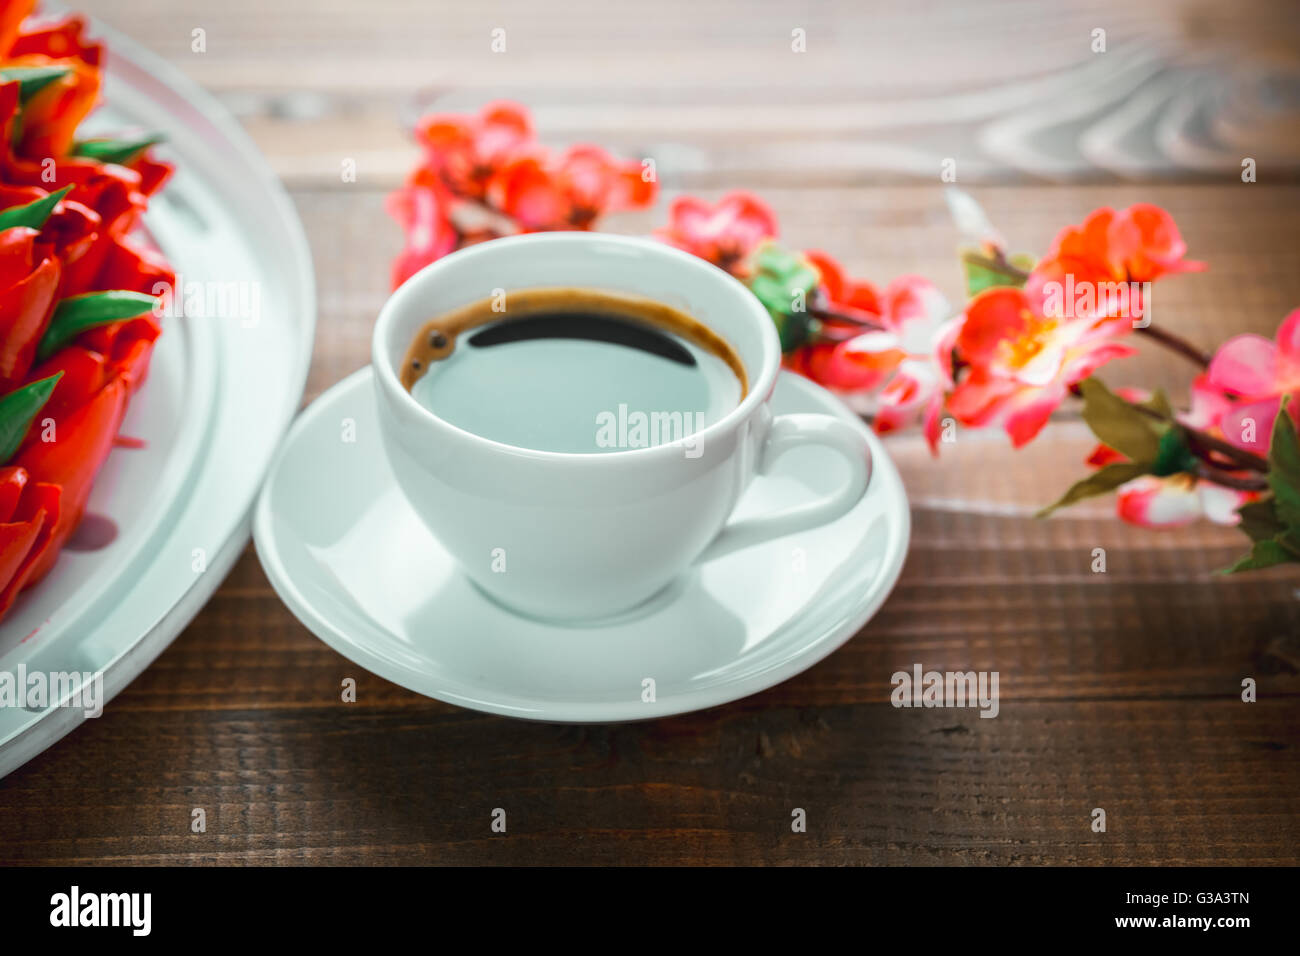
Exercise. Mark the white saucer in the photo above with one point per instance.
(355, 565)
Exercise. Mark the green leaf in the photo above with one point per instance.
(18, 408)
(1099, 482)
(783, 281)
(1265, 554)
(1158, 403)
(1284, 470)
(1259, 521)
(32, 214)
(77, 314)
(793, 329)
(119, 151)
(1174, 455)
(33, 78)
(983, 271)
(1118, 424)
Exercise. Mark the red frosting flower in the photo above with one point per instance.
(725, 234)
(29, 282)
(81, 243)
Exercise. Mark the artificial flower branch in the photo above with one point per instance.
(1229, 480)
(1004, 357)
(1177, 344)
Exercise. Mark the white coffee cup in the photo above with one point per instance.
(583, 536)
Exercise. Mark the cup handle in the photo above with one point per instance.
(793, 431)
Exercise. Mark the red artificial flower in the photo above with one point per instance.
(827, 362)
(854, 296)
(725, 234)
(542, 194)
(466, 152)
(1137, 244)
(907, 354)
(1021, 364)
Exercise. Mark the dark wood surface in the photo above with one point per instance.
(1119, 690)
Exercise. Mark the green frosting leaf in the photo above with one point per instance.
(119, 151)
(18, 408)
(33, 79)
(79, 313)
(32, 214)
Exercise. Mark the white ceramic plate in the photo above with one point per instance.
(222, 388)
(345, 552)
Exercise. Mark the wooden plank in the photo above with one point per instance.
(1182, 782)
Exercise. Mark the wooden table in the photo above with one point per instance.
(1119, 690)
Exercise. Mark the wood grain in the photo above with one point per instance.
(1119, 690)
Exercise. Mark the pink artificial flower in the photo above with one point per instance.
(1257, 373)
(572, 193)
(1021, 364)
(907, 355)
(918, 387)
(725, 234)
(467, 151)
(422, 209)
(1178, 500)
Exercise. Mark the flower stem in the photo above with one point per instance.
(1177, 344)
(997, 261)
(1246, 459)
(1229, 480)
(864, 320)
(1202, 443)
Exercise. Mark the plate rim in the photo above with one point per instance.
(54, 723)
(571, 712)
